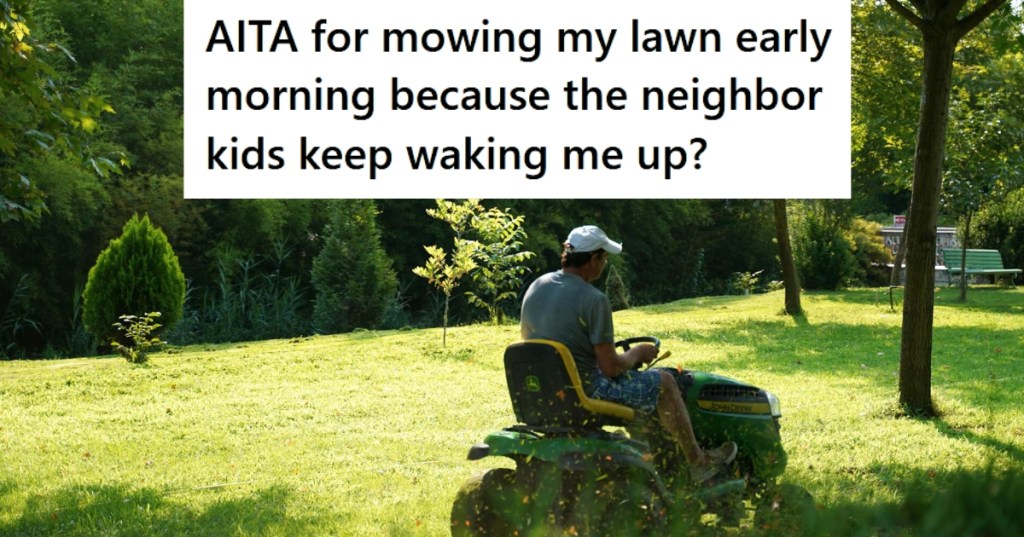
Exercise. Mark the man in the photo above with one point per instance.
(563, 306)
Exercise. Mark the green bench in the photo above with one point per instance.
(984, 262)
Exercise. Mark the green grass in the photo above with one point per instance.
(366, 433)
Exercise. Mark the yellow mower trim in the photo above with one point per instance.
(734, 407)
(596, 406)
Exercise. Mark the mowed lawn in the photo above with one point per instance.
(367, 433)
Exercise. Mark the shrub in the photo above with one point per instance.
(137, 272)
(352, 275)
(1000, 226)
(824, 256)
(744, 283)
(870, 252)
(139, 333)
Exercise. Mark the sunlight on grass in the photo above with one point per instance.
(367, 433)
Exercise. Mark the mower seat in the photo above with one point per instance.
(547, 392)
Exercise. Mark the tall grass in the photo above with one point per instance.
(248, 304)
(367, 433)
(15, 319)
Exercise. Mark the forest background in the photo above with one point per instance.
(250, 264)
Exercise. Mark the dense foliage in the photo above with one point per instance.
(824, 254)
(249, 263)
(500, 261)
(872, 257)
(136, 274)
(1001, 226)
(41, 113)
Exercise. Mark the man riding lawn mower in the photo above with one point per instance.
(573, 476)
(567, 381)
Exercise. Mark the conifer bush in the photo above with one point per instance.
(352, 275)
(137, 273)
(616, 289)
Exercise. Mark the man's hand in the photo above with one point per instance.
(614, 364)
(645, 354)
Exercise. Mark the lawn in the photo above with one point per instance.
(367, 433)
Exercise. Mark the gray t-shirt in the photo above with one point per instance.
(565, 308)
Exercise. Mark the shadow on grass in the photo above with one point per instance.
(952, 504)
(948, 504)
(1011, 450)
(971, 363)
(800, 319)
(995, 298)
(118, 510)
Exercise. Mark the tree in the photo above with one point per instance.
(941, 28)
(884, 98)
(499, 259)
(790, 279)
(438, 270)
(42, 113)
(352, 274)
(133, 52)
(986, 157)
(136, 274)
(488, 247)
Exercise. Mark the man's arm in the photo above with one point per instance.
(613, 364)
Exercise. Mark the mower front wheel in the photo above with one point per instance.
(481, 505)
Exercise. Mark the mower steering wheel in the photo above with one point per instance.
(627, 343)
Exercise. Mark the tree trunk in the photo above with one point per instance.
(444, 322)
(937, 20)
(963, 255)
(919, 297)
(789, 276)
(901, 254)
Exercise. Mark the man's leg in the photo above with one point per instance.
(676, 420)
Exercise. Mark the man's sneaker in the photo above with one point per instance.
(716, 460)
(723, 454)
(700, 474)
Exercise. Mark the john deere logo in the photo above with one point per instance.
(532, 383)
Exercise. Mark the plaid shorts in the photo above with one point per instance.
(635, 389)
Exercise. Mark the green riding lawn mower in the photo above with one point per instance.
(590, 467)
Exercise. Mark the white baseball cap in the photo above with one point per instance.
(589, 239)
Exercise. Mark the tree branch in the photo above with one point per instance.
(904, 12)
(956, 5)
(968, 23)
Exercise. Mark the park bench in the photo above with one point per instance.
(984, 262)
